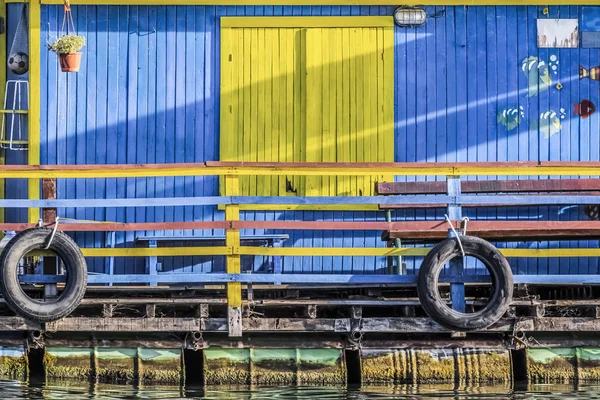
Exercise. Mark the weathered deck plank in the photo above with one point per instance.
(274, 325)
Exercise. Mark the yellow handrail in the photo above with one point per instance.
(301, 169)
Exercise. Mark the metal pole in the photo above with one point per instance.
(457, 290)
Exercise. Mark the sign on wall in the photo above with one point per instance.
(554, 33)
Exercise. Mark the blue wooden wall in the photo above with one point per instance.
(148, 92)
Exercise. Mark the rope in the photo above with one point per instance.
(21, 40)
(53, 233)
(455, 234)
(67, 20)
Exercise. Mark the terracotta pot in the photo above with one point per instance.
(70, 62)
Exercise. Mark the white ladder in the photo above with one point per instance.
(16, 112)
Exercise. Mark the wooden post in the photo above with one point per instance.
(35, 87)
(357, 312)
(311, 311)
(457, 290)
(3, 56)
(202, 311)
(150, 310)
(49, 216)
(232, 241)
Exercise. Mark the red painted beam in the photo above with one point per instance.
(116, 226)
(493, 186)
(542, 230)
(404, 230)
(416, 226)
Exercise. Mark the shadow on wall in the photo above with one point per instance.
(149, 92)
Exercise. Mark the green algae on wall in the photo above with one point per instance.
(483, 365)
(160, 366)
(435, 365)
(562, 365)
(321, 366)
(227, 366)
(380, 366)
(71, 363)
(274, 366)
(588, 364)
(427, 366)
(551, 365)
(13, 362)
(116, 365)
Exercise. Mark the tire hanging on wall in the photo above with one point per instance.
(73, 260)
(436, 307)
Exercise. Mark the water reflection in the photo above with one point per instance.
(78, 390)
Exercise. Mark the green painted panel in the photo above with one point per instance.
(317, 366)
(551, 365)
(67, 362)
(160, 366)
(273, 366)
(13, 362)
(116, 365)
(227, 366)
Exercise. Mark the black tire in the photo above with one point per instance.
(75, 265)
(495, 262)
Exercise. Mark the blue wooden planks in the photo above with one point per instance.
(397, 280)
(149, 91)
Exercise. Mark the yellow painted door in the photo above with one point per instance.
(312, 93)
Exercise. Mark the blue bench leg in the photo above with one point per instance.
(277, 260)
(152, 262)
(457, 290)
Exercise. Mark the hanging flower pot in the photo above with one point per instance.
(67, 47)
(70, 62)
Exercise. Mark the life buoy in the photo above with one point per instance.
(73, 260)
(436, 307)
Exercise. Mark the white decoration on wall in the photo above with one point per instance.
(558, 33)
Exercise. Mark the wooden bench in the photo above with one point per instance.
(153, 267)
(431, 231)
(497, 230)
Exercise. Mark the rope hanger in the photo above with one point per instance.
(67, 20)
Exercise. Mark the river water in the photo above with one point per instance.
(71, 391)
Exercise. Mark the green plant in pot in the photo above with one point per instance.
(67, 47)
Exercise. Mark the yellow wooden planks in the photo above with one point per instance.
(307, 22)
(320, 2)
(387, 137)
(35, 98)
(314, 106)
(275, 100)
(317, 94)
